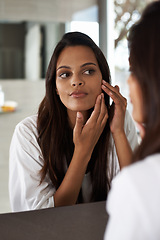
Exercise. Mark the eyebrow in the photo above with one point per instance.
(83, 65)
(63, 67)
(89, 63)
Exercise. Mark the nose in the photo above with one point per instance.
(77, 82)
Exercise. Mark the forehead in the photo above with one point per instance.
(76, 55)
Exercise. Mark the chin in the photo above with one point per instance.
(81, 108)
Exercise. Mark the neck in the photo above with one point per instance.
(72, 117)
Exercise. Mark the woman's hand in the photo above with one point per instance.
(119, 107)
(123, 149)
(86, 136)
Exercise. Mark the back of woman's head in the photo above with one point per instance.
(144, 46)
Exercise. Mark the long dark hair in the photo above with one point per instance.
(56, 136)
(144, 45)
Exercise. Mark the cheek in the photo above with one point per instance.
(97, 85)
(95, 91)
(137, 114)
(136, 99)
(59, 88)
(61, 94)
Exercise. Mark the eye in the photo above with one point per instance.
(89, 71)
(64, 75)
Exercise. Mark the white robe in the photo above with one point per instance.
(26, 161)
(134, 202)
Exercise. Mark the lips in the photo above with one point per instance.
(78, 94)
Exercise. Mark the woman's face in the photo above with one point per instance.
(78, 78)
(136, 99)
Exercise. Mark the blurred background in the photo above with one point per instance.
(29, 31)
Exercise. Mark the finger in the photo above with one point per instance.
(115, 95)
(112, 94)
(110, 91)
(97, 108)
(104, 113)
(107, 85)
(118, 100)
(117, 88)
(108, 88)
(103, 110)
(104, 119)
(79, 124)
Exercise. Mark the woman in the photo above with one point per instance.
(66, 154)
(133, 203)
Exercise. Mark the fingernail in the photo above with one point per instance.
(78, 115)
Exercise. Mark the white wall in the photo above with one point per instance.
(42, 10)
(53, 33)
(32, 52)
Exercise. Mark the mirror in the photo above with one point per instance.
(29, 31)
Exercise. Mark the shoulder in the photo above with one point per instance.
(30, 122)
(141, 169)
(25, 133)
(134, 201)
(27, 126)
(133, 182)
(123, 200)
(133, 173)
(24, 143)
